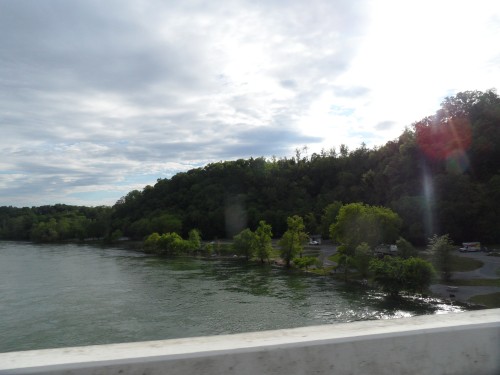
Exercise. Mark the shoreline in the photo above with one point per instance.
(447, 292)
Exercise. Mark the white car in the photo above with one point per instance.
(313, 242)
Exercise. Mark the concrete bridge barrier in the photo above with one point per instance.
(461, 343)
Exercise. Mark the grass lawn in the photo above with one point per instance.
(489, 300)
(334, 258)
(464, 264)
(475, 282)
(458, 263)
(321, 271)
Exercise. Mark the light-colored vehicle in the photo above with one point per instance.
(384, 249)
(470, 246)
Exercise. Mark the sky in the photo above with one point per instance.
(98, 98)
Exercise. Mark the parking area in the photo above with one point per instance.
(489, 270)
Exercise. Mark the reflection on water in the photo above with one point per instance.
(69, 295)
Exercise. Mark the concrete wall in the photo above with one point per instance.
(462, 343)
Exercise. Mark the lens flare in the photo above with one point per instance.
(428, 190)
(447, 140)
(457, 162)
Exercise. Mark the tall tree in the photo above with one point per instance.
(194, 239)
(245, 243)
(292, 242)
(405, 248)
(263, 235)
(329, 216)
(362, 257)
(441, 248)
(357, 223)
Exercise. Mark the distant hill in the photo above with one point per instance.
(442, 175)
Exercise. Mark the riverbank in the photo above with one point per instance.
(463, 286)
(87, 295)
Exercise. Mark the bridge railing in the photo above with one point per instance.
(460, 343)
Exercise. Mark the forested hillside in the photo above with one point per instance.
(442, 175)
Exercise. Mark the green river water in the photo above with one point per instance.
(73, 295)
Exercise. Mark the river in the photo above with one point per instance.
(72, 295)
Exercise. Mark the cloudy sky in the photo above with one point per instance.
(101, 97)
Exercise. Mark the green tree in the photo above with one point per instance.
(172, 244)
(45, 231)
(329, 217)
(194, 239)
(345, 263)
(80, 227)
(292, 242)
(116, 235)
(288, 250)
(209, 249)
(151, 242)
(64, 229)
(389, 274)
(263, 235)
(441, 248)
(139, 228)
(304, 262)
(405, 248)
(245, 243)
(311, 224)
(357, 223)
(395, 274)
(362, 257)
(165, 223)
(418, 274)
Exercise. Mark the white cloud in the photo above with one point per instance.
(416, 53)
(97, 98)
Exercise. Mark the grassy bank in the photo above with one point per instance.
(464, 264)
(491, 301)
(474, 282)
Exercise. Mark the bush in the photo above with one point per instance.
(405, 248)
(166, 244)
(362, 258)
(304, 262)
(396, 274)
(441, 248)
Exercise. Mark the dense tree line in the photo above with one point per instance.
(441, 175)
(56, 223)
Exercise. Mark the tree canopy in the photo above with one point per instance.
(439, 176)
(441, 248)
(293, 239)
(245, 243)
(263, 241)
(396, 274)
(357, 223)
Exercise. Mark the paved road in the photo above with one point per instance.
(490, 270)
(325, 251)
